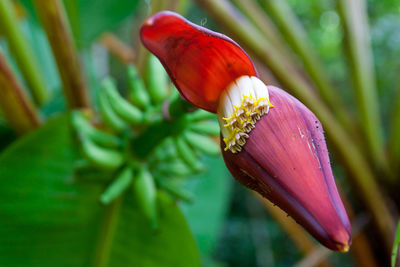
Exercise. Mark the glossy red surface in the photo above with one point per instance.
(201, 63)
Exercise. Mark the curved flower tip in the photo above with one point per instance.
(271, 142)
(286, 160)
(200, 62)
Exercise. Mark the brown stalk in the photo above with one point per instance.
(264, 24)
(23, 53)
(55, 23)
(142, 52)
(360, 249)
(117, 48)
(358, 48)
(17, 107)
(298, 39)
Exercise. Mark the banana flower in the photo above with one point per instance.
(270, 141)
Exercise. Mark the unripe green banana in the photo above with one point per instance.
(110, 118)
(122, 108)
(146, 195)
(174, 168)
(101, 157)
(157, 80)
(200, 114)
(152, 115)
(118, 186)
(165, 154)
(81, 125)
(209, 127)
(187, 154)
(202, 143)
(174, 190)
(137, 91)
(165, 151)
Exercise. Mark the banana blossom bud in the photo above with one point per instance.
(271, 142)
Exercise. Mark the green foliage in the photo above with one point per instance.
(89, 19)
(53, 218)
(46, 215)
(170, 245)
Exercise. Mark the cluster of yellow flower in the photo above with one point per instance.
(241, 105)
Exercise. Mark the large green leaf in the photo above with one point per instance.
(136, 243)
(48, 217)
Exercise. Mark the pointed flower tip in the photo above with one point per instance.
(340, 240)
(343, 247)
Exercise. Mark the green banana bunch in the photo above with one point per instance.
(137, 91)
(187, 154)
(201, 143)
(157, 80)
(98, 147)
(174, 189)
(105, 158)
(99, 137)
(166, 151)
(145, 192)
(109, 116)
(207, 127)
(118, 186)
(174, 168)
(122, 108)
(175, 155)
(200, 115)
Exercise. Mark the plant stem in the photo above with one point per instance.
(117, 48)
(353, 13)
(18, 109)
(23, 53)
(264, 24)
(360, 249)
(351, 156)
(107, 232)
(300, 42)
(267, 35)
(58, 32)
(156, 132)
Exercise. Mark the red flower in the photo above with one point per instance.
(279, 152)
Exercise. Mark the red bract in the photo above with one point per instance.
(276, 149)
(201, 63)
